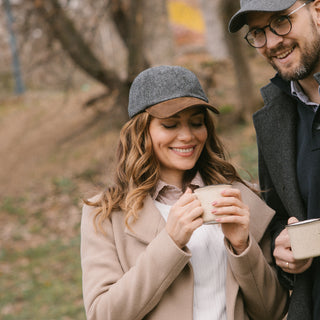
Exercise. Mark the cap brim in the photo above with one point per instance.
(170, 107)
(238, 20)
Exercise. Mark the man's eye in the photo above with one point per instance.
(256, 32)
(279, 21)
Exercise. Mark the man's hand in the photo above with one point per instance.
(284, 256)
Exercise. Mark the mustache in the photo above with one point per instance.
(280, 48)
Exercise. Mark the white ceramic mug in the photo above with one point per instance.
(207, 195)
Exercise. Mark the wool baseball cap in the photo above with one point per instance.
(238, 20)
(163, 91)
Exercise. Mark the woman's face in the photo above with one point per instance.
(178, 142)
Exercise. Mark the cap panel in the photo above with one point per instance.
(238, 20)
(159, 84)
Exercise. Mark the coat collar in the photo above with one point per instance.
(151, 217)
(276, 131)
(275, 126)
(150, 221)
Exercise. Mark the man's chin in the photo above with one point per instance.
(299, 73)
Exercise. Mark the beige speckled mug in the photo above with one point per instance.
(305, 238)
(206, 196)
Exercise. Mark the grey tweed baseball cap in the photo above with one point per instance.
(238, 20)
(165, 90)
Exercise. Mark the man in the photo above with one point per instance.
(287, 34)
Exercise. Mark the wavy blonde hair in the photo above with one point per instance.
(138, 170)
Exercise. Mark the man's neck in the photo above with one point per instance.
(311, 88)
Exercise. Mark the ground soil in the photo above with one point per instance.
(54, 152)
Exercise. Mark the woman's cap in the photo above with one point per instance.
(165, 90)
(238, 20)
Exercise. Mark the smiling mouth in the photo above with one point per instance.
(183, 150)
(284, 54)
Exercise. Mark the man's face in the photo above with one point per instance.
(296, 55)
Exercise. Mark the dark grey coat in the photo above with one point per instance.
(275, 126)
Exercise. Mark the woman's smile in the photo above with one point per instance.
(184, 151)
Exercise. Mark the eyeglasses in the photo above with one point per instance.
(280, 26)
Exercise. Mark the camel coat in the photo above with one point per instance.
(142, 274)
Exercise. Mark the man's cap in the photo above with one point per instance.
(165, 90)
(238, 20)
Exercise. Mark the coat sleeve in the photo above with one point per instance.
(109, 292)
(263, 296)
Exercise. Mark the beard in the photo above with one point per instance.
(309, 61)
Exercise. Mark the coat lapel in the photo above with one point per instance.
(276, 136)
(260, 220)
(149, 223)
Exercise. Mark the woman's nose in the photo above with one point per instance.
(185, 133)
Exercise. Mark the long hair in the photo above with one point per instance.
(212, 164)
(136, 175)
(138, 169)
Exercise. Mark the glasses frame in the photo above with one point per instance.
(287, 16)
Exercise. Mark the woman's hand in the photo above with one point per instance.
(184, 218)
(235, 225)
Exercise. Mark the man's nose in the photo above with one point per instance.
(272, 39)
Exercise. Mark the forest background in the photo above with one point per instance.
(65, 70)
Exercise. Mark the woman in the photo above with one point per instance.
(144, 249)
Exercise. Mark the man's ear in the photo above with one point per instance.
(316, 11)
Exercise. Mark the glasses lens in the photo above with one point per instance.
(281, 25)
(256, 38)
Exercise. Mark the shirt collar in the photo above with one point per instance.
(294, 88)
(169, 194)
(297, 91)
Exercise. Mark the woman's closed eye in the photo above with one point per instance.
(175, 125)
(197, 124)
(169, 125)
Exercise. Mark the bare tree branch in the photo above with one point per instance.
(73, 43)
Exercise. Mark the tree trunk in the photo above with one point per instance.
(215, 35)
(248, 98)
(137, 60)
(158, 44)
